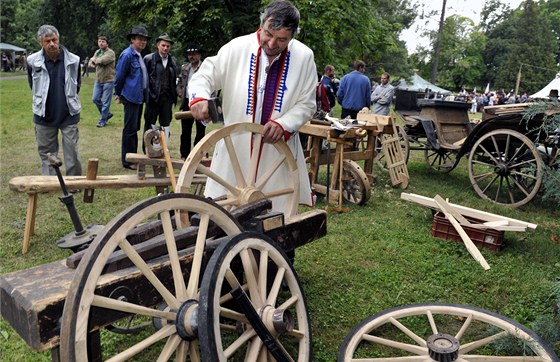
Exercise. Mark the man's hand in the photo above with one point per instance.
(200, 111)
(273, 132)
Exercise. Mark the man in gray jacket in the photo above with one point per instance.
(382, 96)
(54, 78)
(104, 62)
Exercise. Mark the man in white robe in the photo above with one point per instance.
(268, 78)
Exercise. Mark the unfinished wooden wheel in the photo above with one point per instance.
(248, 179)
(251, 298)
(163, 290)
(442, 332)
(355, 184)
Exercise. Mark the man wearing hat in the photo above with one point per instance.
(162, 75)
(194, 55)
(131, 86)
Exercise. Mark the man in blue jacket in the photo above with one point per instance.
(354, 92)
(54, 77)
(131, 86)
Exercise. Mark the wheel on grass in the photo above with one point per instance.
(505, 167)
(405, 147)
(442, 332)
(163, 290)
(256, 265)
(440, 160)
(356, 188)
(247, 180)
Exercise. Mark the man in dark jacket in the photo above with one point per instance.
(130, 87)
(162, 75)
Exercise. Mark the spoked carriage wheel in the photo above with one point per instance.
(355, 184)
(242, 142)
(162, 290)
(505, 167)
(440, 160)
(405, 147)
(442, 332)
(251, 290)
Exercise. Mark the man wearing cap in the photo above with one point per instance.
(131, 85)
(104, 62)
(162, 75)
(194, 55)
(268, 78)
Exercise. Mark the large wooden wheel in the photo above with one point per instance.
(251, 271)
(355, 184)
(249, 179)
(164, 290)
(505, 167)
(442, 332)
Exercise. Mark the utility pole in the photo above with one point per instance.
(438, 42)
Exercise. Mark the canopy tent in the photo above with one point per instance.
(11, 50)
(545, 92)
(419, 84)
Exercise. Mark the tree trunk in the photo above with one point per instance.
(438, 41)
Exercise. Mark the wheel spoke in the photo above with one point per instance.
(464, 327)
(178, 280)
(421, 351)
(408, 332)
(235, 163)
(263, 179)
(467, 347)
(196, 265)
(214, 176)
(170, 347)
(276, 286)
(279, 192)
(432, 322)
(165, 332)
(148, 273)
(263, 273)
(239, 342)
(256, 149)
(250, 269)
(122, 306)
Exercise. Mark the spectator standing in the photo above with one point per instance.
(54, 78)
(104, 62)
(162, 75)
(85, 71)
(271, 82)
(5, 62)
(523, 97)
(194, 55)
(131, 85)
(382, 96)
(354, 92)
(327, 80)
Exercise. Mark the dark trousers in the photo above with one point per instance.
(349, 112)
(132, 118)
(186, 132)
(160, 110)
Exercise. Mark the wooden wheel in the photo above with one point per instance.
(405, 146)
(254, 264)
(355, 184)
(442, 332)
(159, 291)
(441, 160)
(505, 167)
(248, 178)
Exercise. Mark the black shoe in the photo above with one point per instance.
(131, 166)
(109, 116)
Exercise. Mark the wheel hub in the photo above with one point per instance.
(443, 347)
(187, 320)
(277, 320)
(501, 169)
(250, 194)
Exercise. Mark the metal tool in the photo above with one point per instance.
(214, 110)
(80, 238)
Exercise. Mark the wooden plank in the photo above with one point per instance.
(159, 162)
(471, 248)
(467, 211)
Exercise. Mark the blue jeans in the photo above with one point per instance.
(102, 93)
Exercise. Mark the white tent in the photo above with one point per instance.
(419, 84)
(543, 93)
(11, 50)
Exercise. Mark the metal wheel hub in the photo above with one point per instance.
(277, 321)
(502, 169)
(443, 347)
(187, 320)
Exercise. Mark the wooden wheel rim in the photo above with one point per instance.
(237, 192)
(490, 169)
(257, 253)
(392, 318)
(73, 346)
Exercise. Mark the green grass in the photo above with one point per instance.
(374, 257)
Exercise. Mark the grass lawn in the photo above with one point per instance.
(374, 257)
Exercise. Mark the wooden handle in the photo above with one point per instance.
(93, 163)
(183, 115)
(168, 160)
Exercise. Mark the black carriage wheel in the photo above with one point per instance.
(505, 167)
(440, 160)
(442, 332)
(405, 147)
(171, 298)
(257, 265)
(356, 188)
